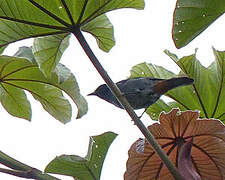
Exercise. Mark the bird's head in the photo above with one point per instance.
(105, 93)
(102, 91)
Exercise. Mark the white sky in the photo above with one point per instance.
(140, 36)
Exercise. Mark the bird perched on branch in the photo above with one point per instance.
(141, 92)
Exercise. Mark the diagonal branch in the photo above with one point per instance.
(22, 169)
(122, 99)
(22, 174)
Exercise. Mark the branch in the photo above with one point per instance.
(122, 99)
(22, 170)
(22, 174)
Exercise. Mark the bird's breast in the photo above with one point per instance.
(142, 100)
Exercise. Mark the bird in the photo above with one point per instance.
(141, 92)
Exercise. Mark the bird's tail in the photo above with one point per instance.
(165, 85)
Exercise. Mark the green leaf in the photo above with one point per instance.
(2, 49)
(63, 79)
(48, 51)
(205, 102)
(68, 83)
(191, 17)
(25, 52)
(155, 110)
(150, 70)
(15, 101)
(52, 101)
(217, 82)
(19, 73)
(32, 18)
(207, 93)
(102, 30)
(83, 11)
(21, 19)
(87, 168)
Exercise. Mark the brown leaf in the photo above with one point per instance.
(174, 129)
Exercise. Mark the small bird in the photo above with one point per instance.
(141, 92)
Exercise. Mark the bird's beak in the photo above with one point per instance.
(93, 93)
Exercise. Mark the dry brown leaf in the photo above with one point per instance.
(174, 129)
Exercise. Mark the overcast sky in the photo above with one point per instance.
(141, 36)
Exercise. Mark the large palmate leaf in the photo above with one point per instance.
(174, 129)
(32, 18)
(18, 74)
(207, 94)
(209, 83)
(88, 168)
(191, 17)
(63, 78)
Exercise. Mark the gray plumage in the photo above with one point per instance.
(141, 92)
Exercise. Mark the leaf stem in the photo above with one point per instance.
(150, 138)
(22, 170)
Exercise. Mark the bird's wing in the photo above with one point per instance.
(137, 85)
